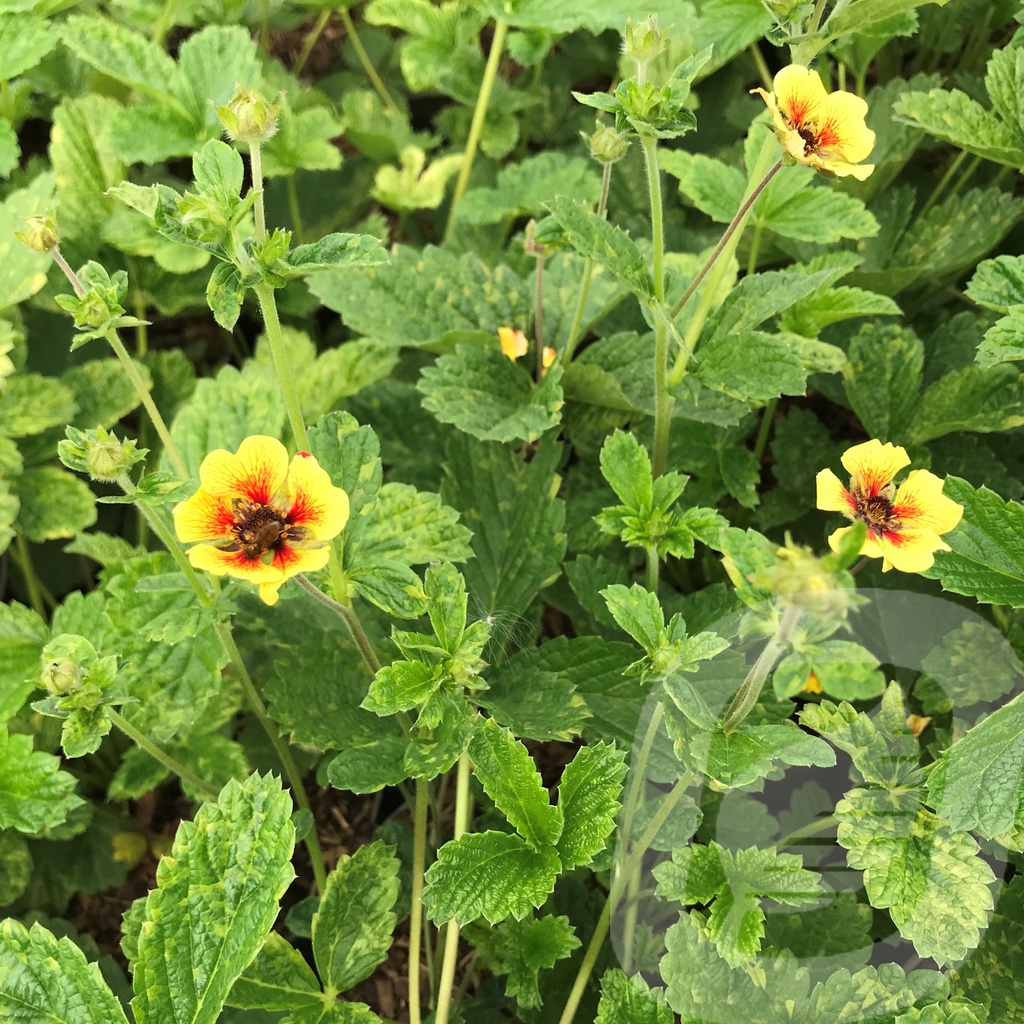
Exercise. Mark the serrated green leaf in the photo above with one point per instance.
(53, 504)
(446, 591)
(588, 796)
(30, 404)
(629, 1001)
(45, 978)
(931, 879)
(422, 295)
(22, 636)
(303, 142)
(211, 63)
(524, 543)
(151, 133)
(714, 187)
(638, 612)
(25, 40)
(401, 687)
(102, 391)
(956, 118)
(337, 252)
(972, 398)
(750, 365)
(34, 793)
(339, 372)
(278, 979)
(734, 885)
(978, 783)
(522, 949)
(350, 454)
(485, 394)
(811, 315)
(218, 172)
(392, 586)
(123, 54)
(863, 15)
(1004, 340)
(521, 189)
(368, 765)
(986, 561)
(953, 665)
(354, 921)
(492, 875)
(998, 283)
(883, 377)
(511, 779)
(15, 867)
(626, 466)
(596, 238)
(216, 898)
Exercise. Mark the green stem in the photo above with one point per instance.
(815, 828)
(968, 171)
(663, 401)
(725, 247)
(364, 59)
(451, 940)
(763, 70)
(283, 752)
(744, 701)
(944, 181)
(538, 316)
(28, 571)
(174, 767)
(312, 36)
(755, 245)
(264, 31)
(347, 614)
(259, 209)
(653, 569)
(588, 272)
(164, 24)
(141, 329)
(638, 777)
(419, 861)
(479, 113)
(295, 209)
(767, 415)
(268, 307)
(615, 894)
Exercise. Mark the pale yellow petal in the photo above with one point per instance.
(234, 563)
(268, 592)
(920, 503)
(841, 131)
(257, 471)
(841, 169)
(911, 550)
(773, 109)
(513, 343)
(202, 517)
(872, 465)
(314, 502)
(799, 94)
(832, 495)
(869, 548)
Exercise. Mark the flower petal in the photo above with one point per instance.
(202, 517)
(773, 109)
(268, 592)
(800, 95)
(841, 130)
(910, 550)
(234, 563)
(869, 549)
(872, 465)
(315, 503)
(256, 472)
(841, 169)
(832, 495)
(289, 561)
(513, 343)
(920, 503)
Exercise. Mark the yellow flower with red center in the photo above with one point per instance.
(513, 343)
(260, 518)
(823, 130)
(903, 523)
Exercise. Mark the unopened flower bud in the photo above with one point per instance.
(249, 117)
(60, 676)
(643, 41)
(63, 661)
(606, 144)
(40, 233)
(98, 453)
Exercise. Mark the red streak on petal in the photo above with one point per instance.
(284, 556)
(304, 455)
(894, 537)
(256, 485)
(907, 511)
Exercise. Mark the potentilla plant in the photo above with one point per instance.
(528, 575)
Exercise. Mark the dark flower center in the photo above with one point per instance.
(876, 511)
(810, 140)
(258, 528)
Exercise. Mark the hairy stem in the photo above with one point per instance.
(767, 415)
(364, 59)
(259, 209)
(310, 41)
(588, 272)
(23, 556)
(347, 614)
(268, 307)
(140, 739)
(538, 316)
(446, 983)
(419, 860)
(479, 113)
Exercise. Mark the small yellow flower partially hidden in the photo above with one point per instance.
(813, 684)
(513, 343)
(903, 524)
(547, 358)
(258, 517)
(823, 130)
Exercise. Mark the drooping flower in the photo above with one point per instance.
(823, 130)
(513, 343)
(903, 523)
(259, 518)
